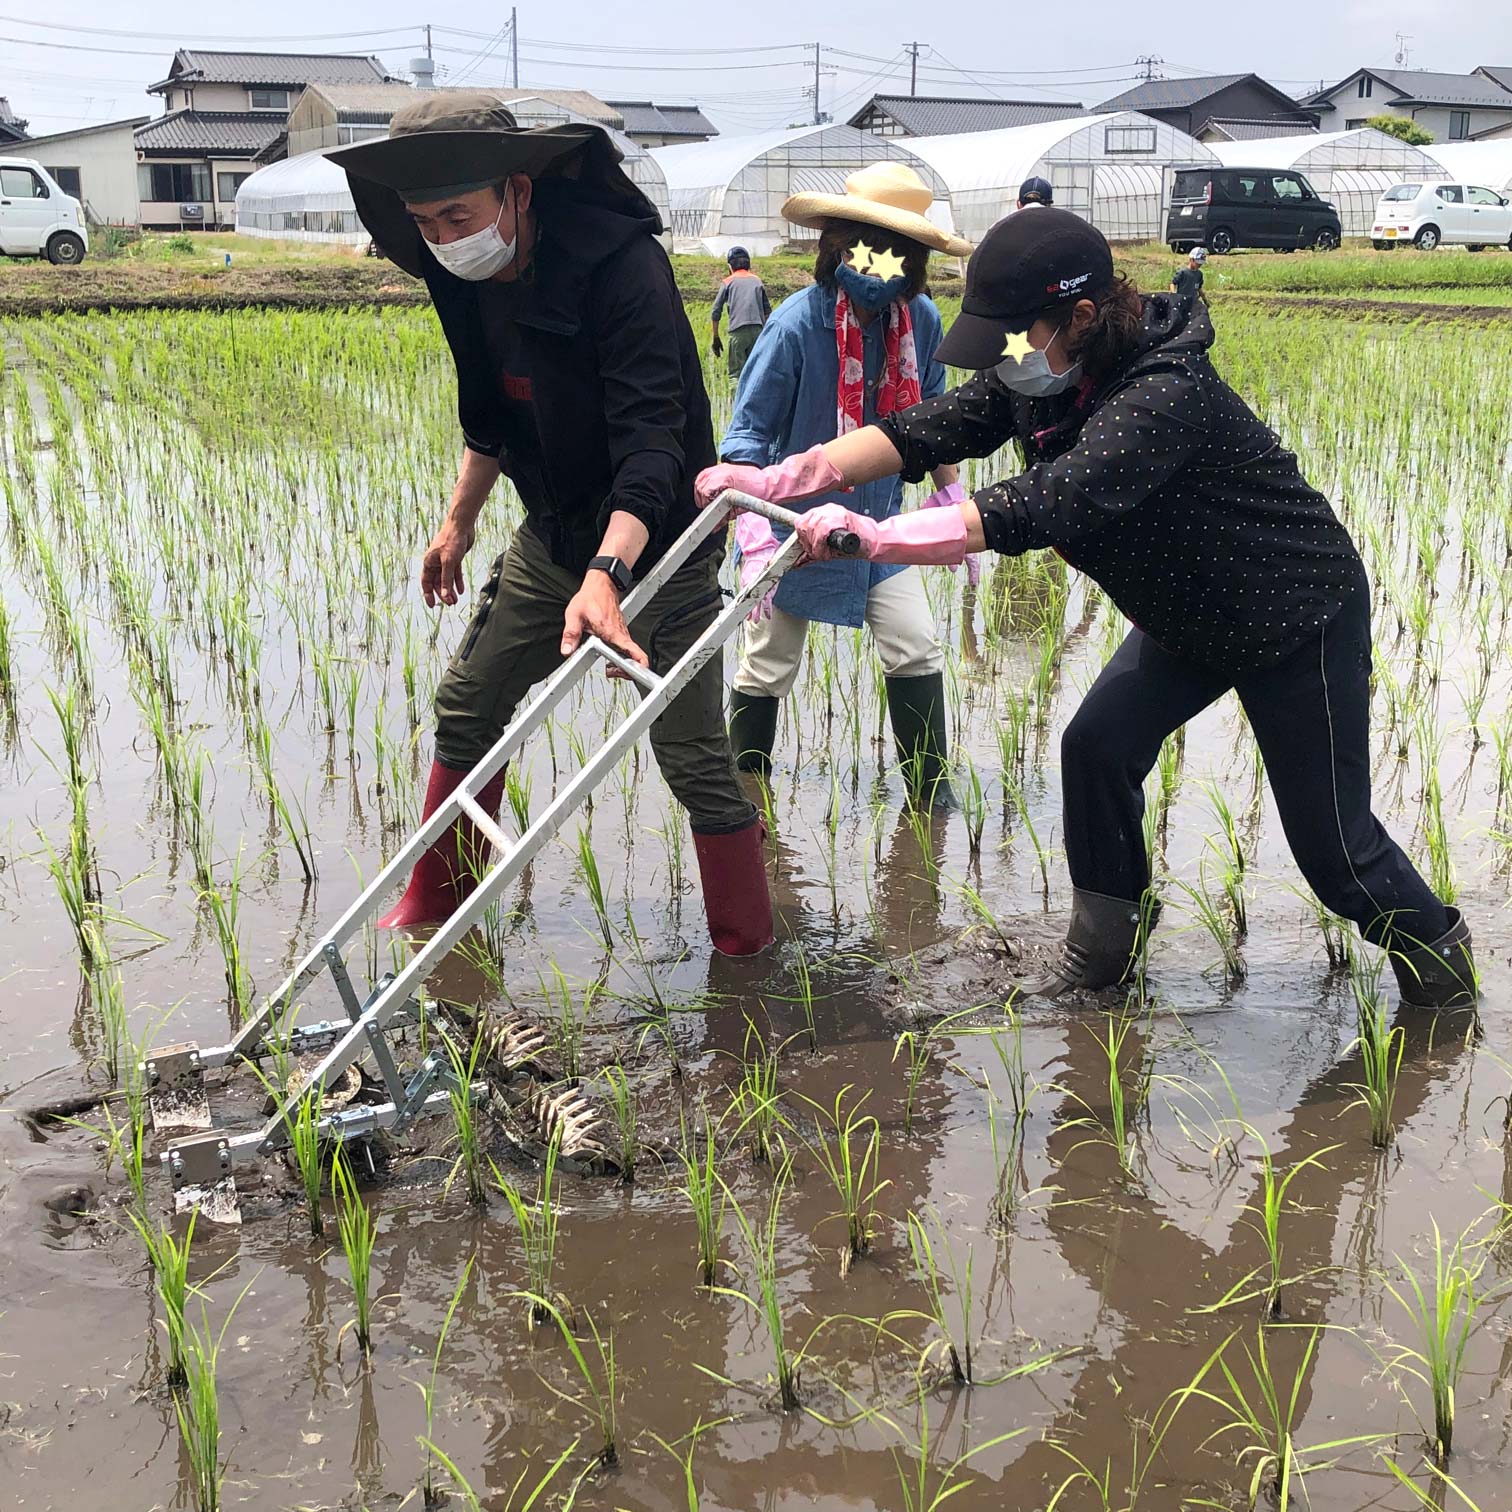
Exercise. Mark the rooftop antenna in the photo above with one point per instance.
(1403, 52)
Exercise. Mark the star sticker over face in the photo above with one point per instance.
(1018, 346)
(861, 256)
(886, 264)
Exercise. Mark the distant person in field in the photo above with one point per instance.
(857, 345)
(1035, 191)
(1145, 471)
(579, 379)
(1186, 283)
(744, 297)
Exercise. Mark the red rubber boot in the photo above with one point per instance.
(442, 879)
(733, 870)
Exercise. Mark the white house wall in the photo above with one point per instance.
(106, 161)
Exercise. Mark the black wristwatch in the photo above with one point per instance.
(619, 574)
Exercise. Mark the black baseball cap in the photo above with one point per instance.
(1025, 266)
(1036, 190)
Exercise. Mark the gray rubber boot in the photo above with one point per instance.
(1440, 975)
(916, 707)
(753, 731)
(1099, 949)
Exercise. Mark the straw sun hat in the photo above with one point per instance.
(887, 194)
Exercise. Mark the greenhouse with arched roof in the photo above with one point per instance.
(730, 191)
(1112, 170)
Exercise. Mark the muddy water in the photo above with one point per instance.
(1090, 1298)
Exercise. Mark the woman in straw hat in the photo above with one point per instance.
(578, 378)
(859, 344)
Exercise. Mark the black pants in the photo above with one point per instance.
(1311, 716)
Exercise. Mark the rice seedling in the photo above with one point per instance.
(537, 1224)
(755, 1103)
(1438, 1483)
(1380, 1046)
(601, 1385)
(1213, 917)
(973, 802)
(707, 1195)
(1266, 1418)
(588, 870)
(1446, 1311)
(534, 1491)
(685, 1458)
(197, 1407)
(1041, 855)
(465, 1130)
(761, 1250)
(925, 1483)
(169, 1258)
(569, 1024)
(803, 979)
(225, 910)
(1117, 1130)
(300, 1117)
(1230, 853)
(517, 786)
(358, 1231)
(977, 906)
(850, 1162)
(623, 1105)
(955, 1330)
(430, 1496)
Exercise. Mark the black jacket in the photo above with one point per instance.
(1163, 487)
(621, 417)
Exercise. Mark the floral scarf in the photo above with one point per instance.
(899, 384)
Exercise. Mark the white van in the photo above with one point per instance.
(1430, 214)
(37, 219)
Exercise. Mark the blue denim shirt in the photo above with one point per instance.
(786, 404)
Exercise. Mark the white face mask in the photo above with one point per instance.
(1033, 377)
(478, 256)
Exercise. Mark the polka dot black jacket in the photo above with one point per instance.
(1164, 487)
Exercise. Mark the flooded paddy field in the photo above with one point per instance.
(1153, 1253)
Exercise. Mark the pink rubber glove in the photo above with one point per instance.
(925, 538)
(757, 545)
(954, 493)
(794, 478)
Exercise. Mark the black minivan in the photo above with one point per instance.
(1224, 208)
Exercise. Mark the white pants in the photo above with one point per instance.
(897, 614)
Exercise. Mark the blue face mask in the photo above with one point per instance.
(869, 292)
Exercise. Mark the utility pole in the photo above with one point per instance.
(428, 53)
(514, 45)
(816, 84)
(1149, 64)
(912, 49)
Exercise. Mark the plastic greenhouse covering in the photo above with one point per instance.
(1113, 170)
(1488, 164)
(1353, 169)
(730, 191)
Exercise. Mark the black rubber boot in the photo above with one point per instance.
(1100, 948)
(1440, 975)
(916, 706)
(753, 731)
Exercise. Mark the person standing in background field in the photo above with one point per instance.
(744, 295)
(1035, 191)
(1186, 283)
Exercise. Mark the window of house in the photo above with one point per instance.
(1459, 125)
(226, 185)
(1365, 84)
(21, 183)
(68, 181)
(167, 182)
(1355, 124)
(1128, 139)
(270, 99)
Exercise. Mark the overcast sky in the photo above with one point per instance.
(1084, 53)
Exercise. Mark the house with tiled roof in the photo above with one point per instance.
(223, 113)
(1189, 104)
(654, 125)
(1450, 107)
(12, 127)
(950, 115)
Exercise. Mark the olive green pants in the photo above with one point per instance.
(514, 641)
(739, 347)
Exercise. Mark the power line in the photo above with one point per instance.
(104, 31)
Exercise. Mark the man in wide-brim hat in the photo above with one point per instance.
(858, 345)
(578, 378)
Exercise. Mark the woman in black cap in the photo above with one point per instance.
(1147, 472)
